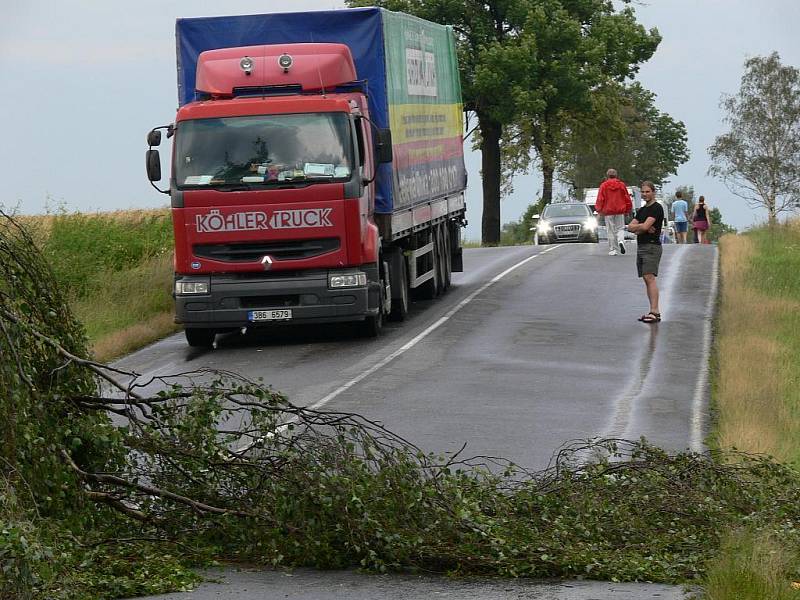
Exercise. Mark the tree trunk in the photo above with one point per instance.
(548, 162)
(490, 173)
(547, 181)
(772, 216)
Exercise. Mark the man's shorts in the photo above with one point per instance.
(681, 226)
(648, 256)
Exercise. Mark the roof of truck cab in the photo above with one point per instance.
(259, 105)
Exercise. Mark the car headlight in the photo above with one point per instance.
(347, 280)
(191, 287)
(590, 224)
(543, 227)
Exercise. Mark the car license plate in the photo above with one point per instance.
(282, 314)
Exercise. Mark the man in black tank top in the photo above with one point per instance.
(647, 226)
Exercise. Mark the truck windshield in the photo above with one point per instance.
(263, 150)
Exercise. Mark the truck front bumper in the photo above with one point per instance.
(232, 297)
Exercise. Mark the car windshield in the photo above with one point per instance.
(263, 150)
(565, 210)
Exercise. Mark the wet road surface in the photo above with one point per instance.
(306, 584)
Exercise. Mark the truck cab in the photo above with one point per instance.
(271, 195)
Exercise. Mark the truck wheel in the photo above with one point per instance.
(200, 338)
(399, 287)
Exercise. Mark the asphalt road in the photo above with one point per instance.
(306, 584)
(531, 348)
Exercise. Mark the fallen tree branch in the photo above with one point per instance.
(199, 507)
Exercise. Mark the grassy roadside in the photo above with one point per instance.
(758, 384)
(757, 395)
(117, 269)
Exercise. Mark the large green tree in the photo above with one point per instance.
(759, 158)
(626, 131)
(526, 63)
(582, 46)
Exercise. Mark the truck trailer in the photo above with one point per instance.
(317, 169)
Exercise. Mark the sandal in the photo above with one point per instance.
(651, 317)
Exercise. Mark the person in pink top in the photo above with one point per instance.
(614, 202)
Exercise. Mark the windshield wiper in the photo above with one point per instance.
(236, 186)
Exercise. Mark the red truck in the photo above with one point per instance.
(317, 169)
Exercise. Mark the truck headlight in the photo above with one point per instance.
(191, 287)
(543, 227)
(590, 224)
(347, 280)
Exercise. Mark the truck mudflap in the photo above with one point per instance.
(234, 301)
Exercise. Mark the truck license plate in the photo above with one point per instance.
(270, 315)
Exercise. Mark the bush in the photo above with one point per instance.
(84, 248)
(519, 232)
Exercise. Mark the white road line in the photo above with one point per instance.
(414, 341)
(700, 389)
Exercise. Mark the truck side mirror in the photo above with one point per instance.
(383, 145)
(535, 216)
(154, 138)
(153, 162)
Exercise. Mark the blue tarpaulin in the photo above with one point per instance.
(360, 29)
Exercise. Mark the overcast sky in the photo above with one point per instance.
(84, 80)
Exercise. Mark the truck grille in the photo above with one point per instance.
(269, 301)
(254, 251)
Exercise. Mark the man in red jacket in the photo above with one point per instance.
(614, 202)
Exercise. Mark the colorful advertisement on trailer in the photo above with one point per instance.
(425, 111)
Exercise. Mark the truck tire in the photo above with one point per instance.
(200, 338)
(399, 277)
